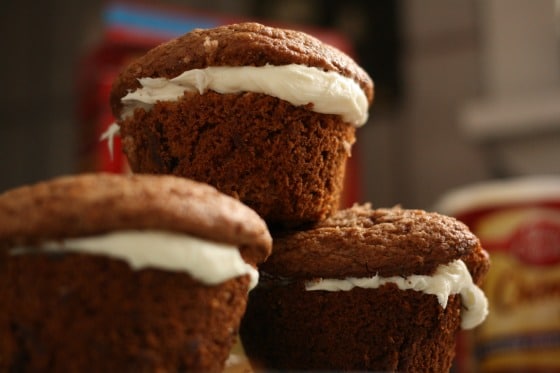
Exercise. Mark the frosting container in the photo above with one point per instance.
(518, 223)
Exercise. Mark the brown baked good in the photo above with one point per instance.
(360, 323)
(96, 274)
(283, 158)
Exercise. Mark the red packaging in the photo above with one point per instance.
(518, 223)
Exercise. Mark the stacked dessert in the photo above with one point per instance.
(263, 114)
(269, 116)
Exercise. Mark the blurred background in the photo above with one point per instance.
(465, 90)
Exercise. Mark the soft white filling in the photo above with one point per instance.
(209, 262)
(109, 136)
(452, 278)
(327, 91)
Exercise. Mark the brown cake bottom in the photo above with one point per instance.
(79, 313)
(285, 162)
(386, 329)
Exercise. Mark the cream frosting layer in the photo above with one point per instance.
(452, 278)
(209, 262)
(327, 91)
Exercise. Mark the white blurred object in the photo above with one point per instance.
(519, 115)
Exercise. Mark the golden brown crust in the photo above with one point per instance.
(361, 242)
(89, 204)
(244, 44)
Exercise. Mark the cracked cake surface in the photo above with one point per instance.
(361, 241)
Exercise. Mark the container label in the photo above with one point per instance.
(522, 331)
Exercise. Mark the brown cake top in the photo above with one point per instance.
(361, 242)
(90, 204)
(243, 44)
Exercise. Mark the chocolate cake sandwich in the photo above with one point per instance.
(119, 273)
(367, 290)
(266, 115)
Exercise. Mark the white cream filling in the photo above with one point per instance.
(209, 262)
(327, 91)
(453, 278)
(109, 136)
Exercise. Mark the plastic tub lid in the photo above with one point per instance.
(496, 193)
